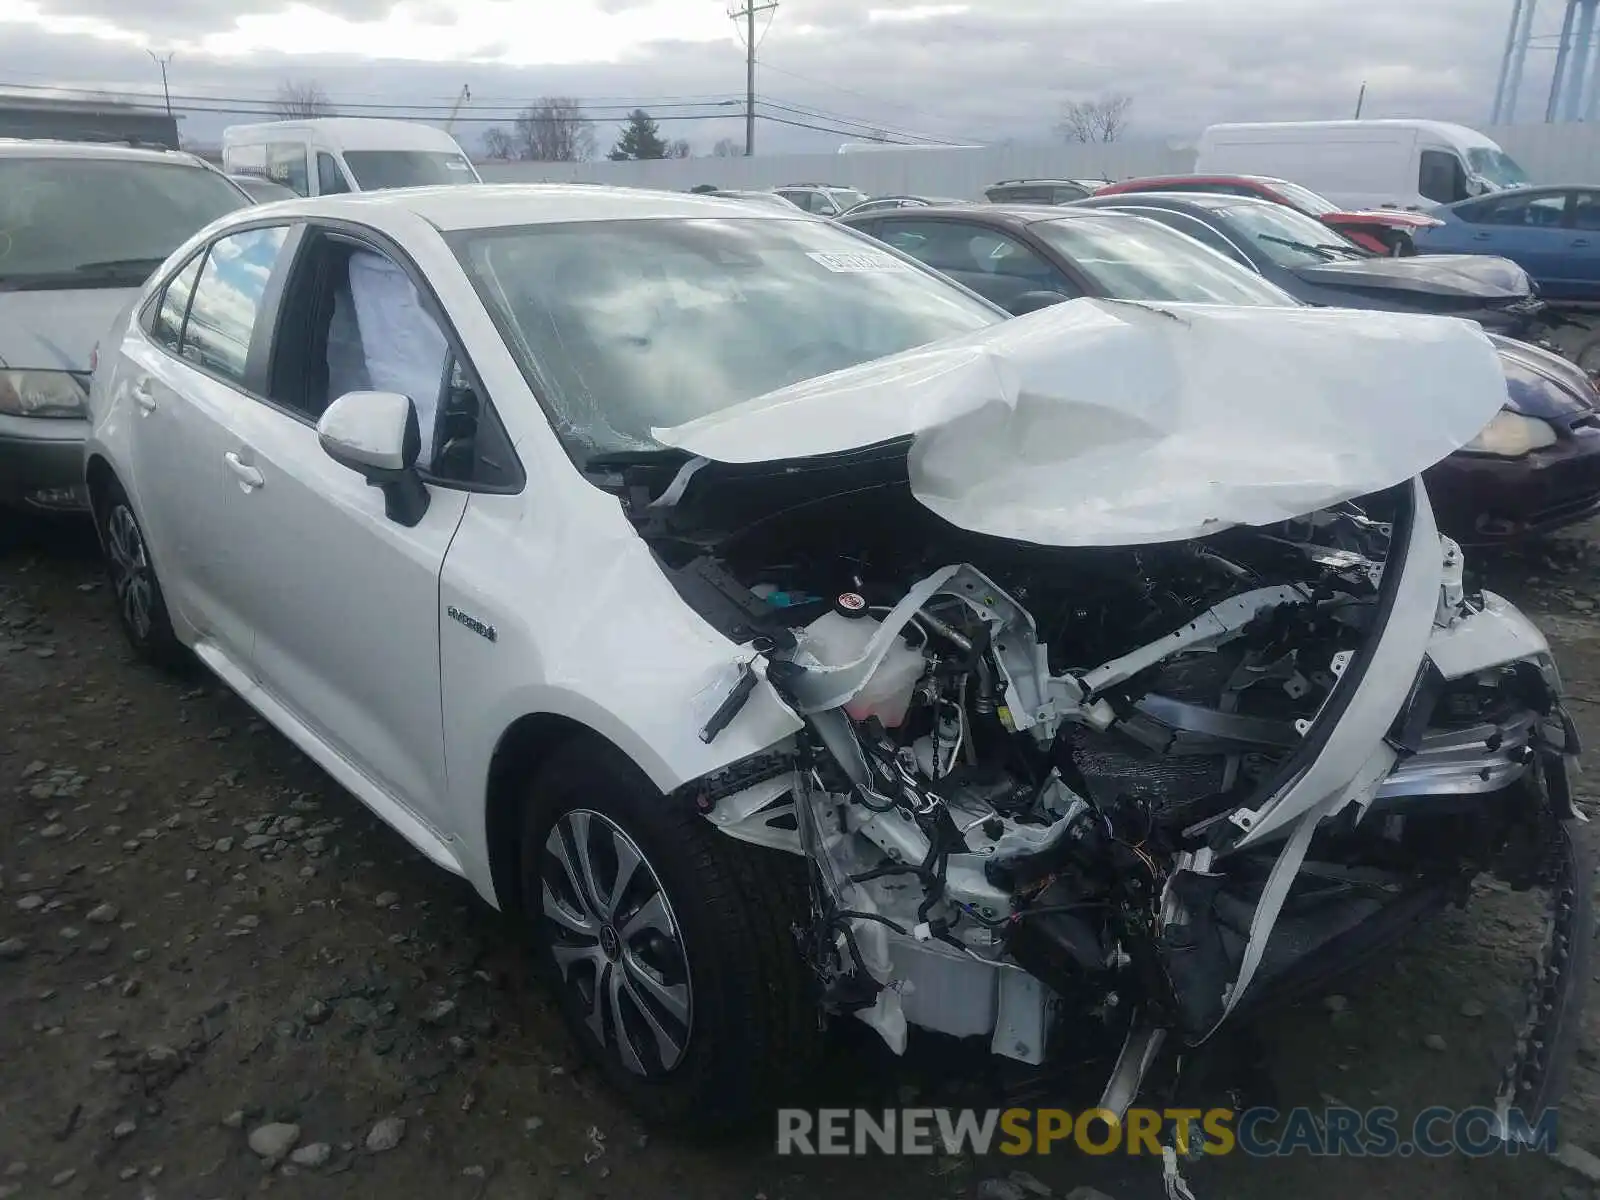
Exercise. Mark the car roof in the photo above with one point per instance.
(453, 206)
(1178, 200)
(52, 148)
(1005, 215)
(1201, 177)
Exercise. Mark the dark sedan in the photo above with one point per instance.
(1320, 267)
(1535, 468)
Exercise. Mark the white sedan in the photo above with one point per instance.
(780, 628)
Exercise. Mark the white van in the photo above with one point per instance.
(1365, 164)
(327, 155)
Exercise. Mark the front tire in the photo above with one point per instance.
(668, 943)
(141, 605)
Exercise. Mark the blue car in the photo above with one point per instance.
(1552, 233)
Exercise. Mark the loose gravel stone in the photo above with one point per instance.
(273, 1141)
(386, 1135)
(315, 1155)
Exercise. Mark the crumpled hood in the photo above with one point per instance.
(1103, 423)
(1483, 276)
(56, 330)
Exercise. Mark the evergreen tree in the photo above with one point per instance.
(641, 138)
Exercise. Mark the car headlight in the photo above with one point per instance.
(1512, 435)
(43, 394)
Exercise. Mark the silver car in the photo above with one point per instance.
(82, 225)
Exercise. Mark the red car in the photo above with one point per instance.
(1384, 231)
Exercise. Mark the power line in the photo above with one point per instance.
(820, 121)
(838, 87)
(594, 109)
(871, 128)
(250, 103)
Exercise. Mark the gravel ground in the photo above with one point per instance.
(220, 976)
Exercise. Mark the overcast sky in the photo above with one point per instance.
(984, 70)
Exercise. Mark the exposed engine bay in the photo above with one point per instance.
(1027, 771)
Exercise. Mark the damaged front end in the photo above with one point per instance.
(1064, 798)
(1064, 790)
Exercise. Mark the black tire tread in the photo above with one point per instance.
(751, 894)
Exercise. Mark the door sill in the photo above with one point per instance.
(345, 773)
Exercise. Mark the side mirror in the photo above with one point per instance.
(376, 435)
(1020, 306)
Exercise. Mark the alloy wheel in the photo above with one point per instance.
(617, 942)
(130, 571)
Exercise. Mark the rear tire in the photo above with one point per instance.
(683, 984)
(141, 605)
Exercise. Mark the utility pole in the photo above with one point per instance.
(747, 14)
(162, 61)
(1361, 98)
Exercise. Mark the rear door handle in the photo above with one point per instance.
(1580, 241)
(1481, 237)
(243, 471)
(143, 396)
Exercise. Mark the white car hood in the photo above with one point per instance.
(1107, 423)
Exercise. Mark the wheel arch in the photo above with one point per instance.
(99, 475)
(524, 746)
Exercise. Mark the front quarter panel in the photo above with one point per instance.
(567, 613)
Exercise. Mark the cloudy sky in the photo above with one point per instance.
(919, 69)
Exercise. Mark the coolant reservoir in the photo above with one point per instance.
(839, 638)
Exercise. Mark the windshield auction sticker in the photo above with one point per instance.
(855, 264)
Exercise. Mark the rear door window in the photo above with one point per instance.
(168, 328)
(227, 300)
(1546, 211)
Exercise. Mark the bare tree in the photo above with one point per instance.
(727, 148)
(1102, 120)
(297, 101)
(498, 144)
(680, 148)
(554, 130)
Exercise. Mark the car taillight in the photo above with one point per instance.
(94, 358)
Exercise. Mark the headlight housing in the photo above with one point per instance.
(43, 394)
(1512, 435)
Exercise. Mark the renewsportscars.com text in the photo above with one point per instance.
(1256, 1132)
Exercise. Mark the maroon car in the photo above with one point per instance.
(1532, 470)
(1384, 231)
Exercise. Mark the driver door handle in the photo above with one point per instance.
(243, 471)
(143, 396)
(1580, 241)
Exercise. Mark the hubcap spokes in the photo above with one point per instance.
(617, 943)
(130, 570)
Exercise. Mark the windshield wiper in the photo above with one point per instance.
(118, 264)
(1307, 247)
(117, 272)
